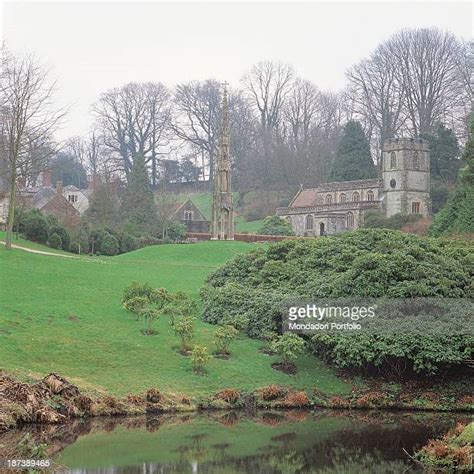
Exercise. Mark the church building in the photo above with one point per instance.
(404, 188)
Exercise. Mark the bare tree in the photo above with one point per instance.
(426, 64)
(268, 85)
(196, 117)
(28, 115)
(134, 119)
(378, 96)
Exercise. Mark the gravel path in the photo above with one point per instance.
(41, 252)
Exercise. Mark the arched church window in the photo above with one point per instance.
(393, 160)
(349, 220)
(309, 222)
(355, 196)
(329, 199)
(342, 197)
(416, 161)
(370, 195)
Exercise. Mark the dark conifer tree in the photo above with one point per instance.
(458, 214)
(138, 203)
(353, 160)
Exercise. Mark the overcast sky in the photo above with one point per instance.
(93, 46)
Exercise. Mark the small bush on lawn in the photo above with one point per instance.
(54, 241)
(179, 305)
(199, 358)
(184, 328)
(150, 315)
(135, 305)
(137, 289)
(288, 347)
(223, 338)
(159, 297)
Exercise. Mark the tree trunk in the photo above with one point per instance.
(11, 210)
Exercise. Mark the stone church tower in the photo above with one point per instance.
(406, 177)
(222, 226)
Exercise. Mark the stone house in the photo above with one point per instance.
(338, 207)
(79, 198)
(47, 199)
(188, 214)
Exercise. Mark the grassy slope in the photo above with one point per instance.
(64, 315)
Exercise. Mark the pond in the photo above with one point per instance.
(322, 441)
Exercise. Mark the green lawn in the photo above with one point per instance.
(64, 315)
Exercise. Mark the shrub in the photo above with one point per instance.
(288, 346)
(275, 225)
(160, 297)
(184, 328)
(137, 289)
(176, 231)
(153, 395)
(224, 337)
(34, 226)
(55, 241)
(272, 392)
(377, 220)
(253, 290)
(296, 400)
(109, 245)
(199, 358)
(179, 305)
(128, 243)
(149, 314)
(63, 233)
(229, 395)
(135, 304)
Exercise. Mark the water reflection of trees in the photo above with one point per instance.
(367, 439)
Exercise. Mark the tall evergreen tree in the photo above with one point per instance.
(104, 206)
(444, 153)
(138, 204)
(458, 214)
(353, 160)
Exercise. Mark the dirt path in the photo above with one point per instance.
(41, 252)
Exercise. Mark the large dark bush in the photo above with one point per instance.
(55, 241)
(34, 226)
(63, 234)
(109, 245)
(249, 291)
(275, 225)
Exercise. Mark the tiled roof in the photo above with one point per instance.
(308, 197)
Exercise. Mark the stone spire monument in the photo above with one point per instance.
(222, 227)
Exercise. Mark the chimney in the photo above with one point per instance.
(46, 178)
(59, 187)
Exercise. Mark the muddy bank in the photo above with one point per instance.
(54, 400)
